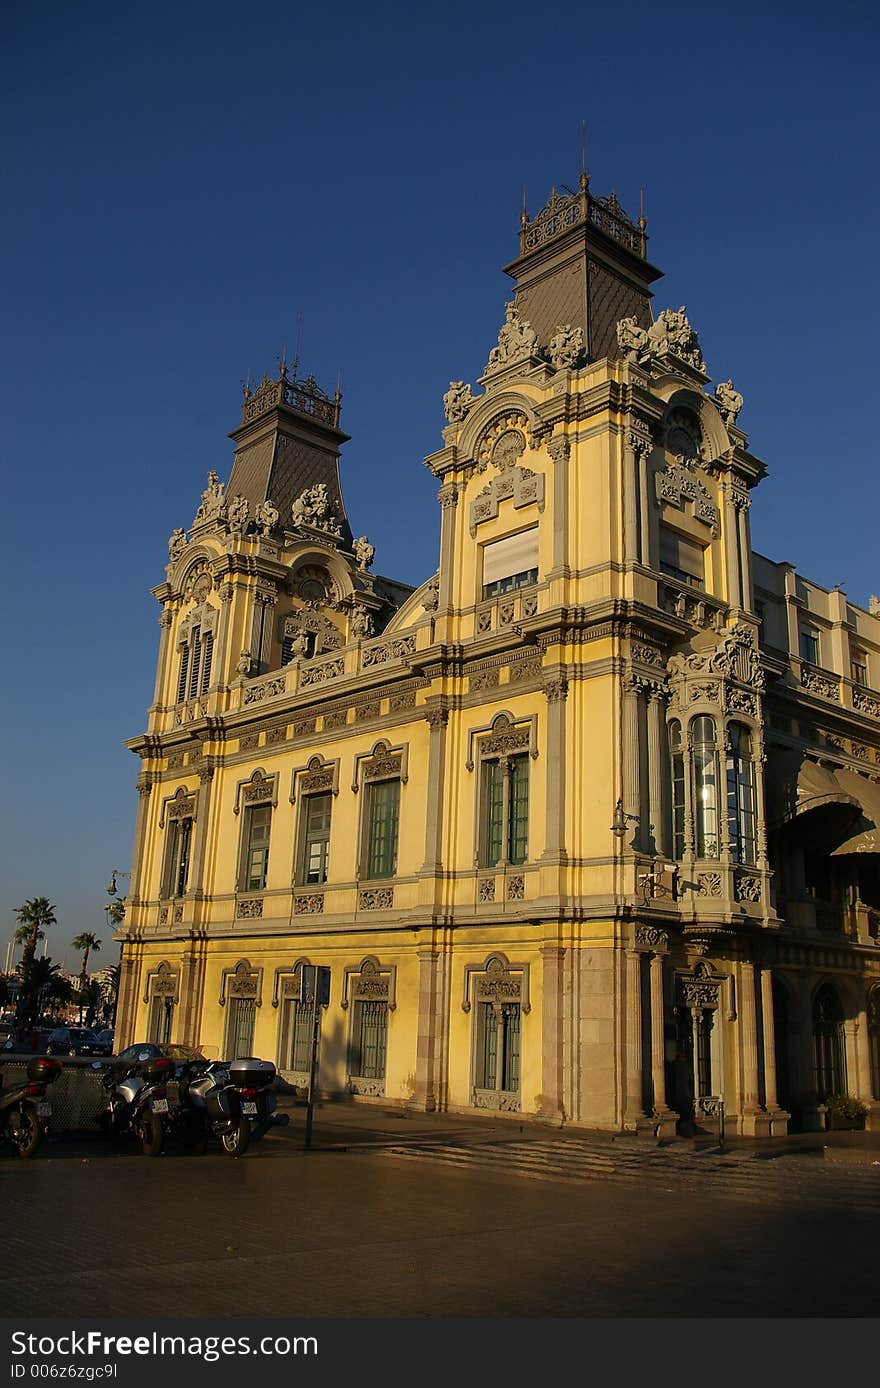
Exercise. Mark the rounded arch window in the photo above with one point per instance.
(740, 790)
(874, 1039)
(828, 1052)
(705, 786)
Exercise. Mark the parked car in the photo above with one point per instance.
(76, 1041)
(148, 1050)
(105, 1037)
(8, 1037)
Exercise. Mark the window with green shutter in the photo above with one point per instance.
(383, 813)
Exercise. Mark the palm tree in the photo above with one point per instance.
(86, 942)
(34, 917)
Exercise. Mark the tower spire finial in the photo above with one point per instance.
(585, 177)
(299, 319)
(524, 215)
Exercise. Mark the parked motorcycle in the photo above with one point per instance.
(208, 1104)
(252, 1079)
(25, 1110)
(136, 1101)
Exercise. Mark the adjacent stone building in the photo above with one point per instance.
(586, 826)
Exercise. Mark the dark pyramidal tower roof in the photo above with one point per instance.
(582, 263)
(288, 441)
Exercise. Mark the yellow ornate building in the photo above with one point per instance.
(585, 826)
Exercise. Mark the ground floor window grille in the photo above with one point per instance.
(369, 1039)
(830, 1070)
(295, 1051)
(498, 1047)
(240, 1027)
(161, 1020)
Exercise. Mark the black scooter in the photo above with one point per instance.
(136, 1101)
(25, 1110)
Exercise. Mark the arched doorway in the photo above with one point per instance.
(829, 1066)
(874, 1039)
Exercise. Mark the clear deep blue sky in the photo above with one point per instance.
(182, 181)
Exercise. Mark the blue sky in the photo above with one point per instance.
(183, 183)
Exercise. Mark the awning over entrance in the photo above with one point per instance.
(795, 785)
(864, 835)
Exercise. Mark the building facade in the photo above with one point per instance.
(586, 826)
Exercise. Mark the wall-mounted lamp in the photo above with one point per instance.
(111, 885)
(621, 819)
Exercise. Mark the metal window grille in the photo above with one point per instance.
(370, 1039)
(493, 810)
(177, 857)
(296, 1046)
(518, 789)
(161, 1020)
(498, 1033)
(240, 1027)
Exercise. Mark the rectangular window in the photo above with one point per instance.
(369, 1039)
(195, 662)
(184, 674)
(383, 814)
(859, 669)
(255, 857)
(510, 563)
(810, 647)
(161, 1018)
(682, 558)
(315, 852)
(177, 848)
(505, 810)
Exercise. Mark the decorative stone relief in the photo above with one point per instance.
(708, 884)
(818, 683)
(319, 674)
(483, 679)
(747, 888)
(256, 693)
(313, 509)
(523, 670)
(529, 604)
(520, 483)
(304, 727)
(212, 505)
(238, 514)
(311, 905)
(266, 518)
(361, 623)
(670, 336)
(457, 401)
(364, 712)
(729, 402)
(566, 347)
(650, 937)
(308, 627)
(244, 665)
(486, 890)
(276, 735)
(516, 887)
(865, 703)
(432, 595)
(559, 448)
(398, 702)
(336, 718)
(700, 989)
(248, 741)
(678, 484)
(376, 899)
(505, 738)
(397, 649)
(249, 908)
(647, 655)
(177, 543)
(517, 341)
(364, 552)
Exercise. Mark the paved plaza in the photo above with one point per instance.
(395, 1214)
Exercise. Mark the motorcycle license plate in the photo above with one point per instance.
(44, 1110)
(249, 1110)
(159, 1105)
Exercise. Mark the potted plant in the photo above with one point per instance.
(844, 1112)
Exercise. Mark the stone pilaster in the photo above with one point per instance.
(632, 790)
(200, 828)
(425, 1096)
(161, 685)
(438, 719)
(634, 1117)
(559, 448)
(556, 692)
(144, 788)
(448, 498)
(656, 769)
(750, 1103)
(552, 1103)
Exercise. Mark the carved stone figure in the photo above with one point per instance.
(671, 335)
(212, 499)
(177, 543)
(432, 595)
(631, 339)
(238, 513)
(266, 517)
(364, 552)
(457, 401)
(566, 347)
(516, 341)
(361, 623)
(729, 401)
(312, 507)
(245, 661)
